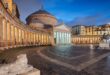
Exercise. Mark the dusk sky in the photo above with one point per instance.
(72, 12)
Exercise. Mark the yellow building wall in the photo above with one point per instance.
(10, 5)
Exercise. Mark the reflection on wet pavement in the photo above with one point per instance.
(71, 55)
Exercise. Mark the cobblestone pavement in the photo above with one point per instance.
(71, 55)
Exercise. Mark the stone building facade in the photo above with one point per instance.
(14, 33)
(89, 34)
(62, 34)
(42, 20)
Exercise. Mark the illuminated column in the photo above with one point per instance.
(4, 32)
(67, 37)
(37, 38)
(1, 31)
(64, 38)
(30, 38)
(15, 35)
(47, 39)
(40, 39)
(9, 33)
(57, 38)
(26, 37)
(20, 32)
(34, 38)
(12, 35)
(22, 37)
(43, 39)
(19, 35)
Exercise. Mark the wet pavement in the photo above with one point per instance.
(67, 54)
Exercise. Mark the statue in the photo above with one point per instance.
(105, 38)
(104, 44)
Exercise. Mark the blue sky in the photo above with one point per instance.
(72, 12)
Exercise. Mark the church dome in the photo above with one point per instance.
(43, 17)
(41, 12)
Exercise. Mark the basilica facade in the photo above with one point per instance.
(14, 33)
(62, 34)
(39, 29)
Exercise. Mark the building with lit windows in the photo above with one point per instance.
(89, 34)
(62, 34)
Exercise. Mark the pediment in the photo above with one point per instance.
(62, 27)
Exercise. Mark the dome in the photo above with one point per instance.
(41, 16)
(40, 12)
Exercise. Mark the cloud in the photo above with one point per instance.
(89, 20)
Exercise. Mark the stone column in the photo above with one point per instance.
(5, 33)
(12, 36)
(8, 33)
(30, 38)
(46, 39)
(37, 38)
(26, 37)
(16, 36)
(1, 31)
(21, 37)
(42, 39)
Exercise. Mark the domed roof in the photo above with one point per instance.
(41, 11)
(39, 16)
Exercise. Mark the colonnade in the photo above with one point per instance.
(86, 39)
(11, 35)
(62, 37)
(14, 33)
